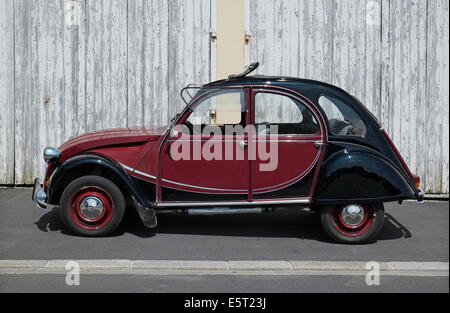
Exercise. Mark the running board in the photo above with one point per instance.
(231, 203)
(220, 211)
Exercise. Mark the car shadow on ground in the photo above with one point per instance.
(280, 224)
(51, 222)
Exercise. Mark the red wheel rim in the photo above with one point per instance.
(353, 230)
(91, 223)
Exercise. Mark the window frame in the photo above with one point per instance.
(256, 90)
(355, 111)
(214, 92)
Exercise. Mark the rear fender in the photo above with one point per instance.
(360, 175)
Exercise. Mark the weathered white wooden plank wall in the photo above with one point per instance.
(41, 102)
(6, 92)
(105, 64)
(189, 47)
(437, 95)
(60, 78)
(406, 111)
(147, 62)
(391, 54)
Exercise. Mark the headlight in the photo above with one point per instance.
(51, 154)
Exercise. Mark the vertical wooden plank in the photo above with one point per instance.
(407, 75)
(357, 50)
(39, 84)
(45, 83)
(81, 87)
(22, 21)
(156, 89)
(136, 55)
(7, 92)
(213, 41)
(292, 38)
(437, 96)
(147, 63)
(70, 76)
(349, 47)
(373, 56)
(118, 64)
(189, 47)
(316, 39)
(106, 63)
(386, 73)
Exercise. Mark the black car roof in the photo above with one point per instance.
(278, 80)
(313, 89)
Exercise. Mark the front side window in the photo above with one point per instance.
(342, 119)
(289, 115)
(224, 108)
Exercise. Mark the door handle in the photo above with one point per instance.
(242, 144)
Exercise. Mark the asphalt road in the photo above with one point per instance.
(411, 232)
(227, 284)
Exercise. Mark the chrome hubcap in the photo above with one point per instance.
(353, 215)
(91, 207)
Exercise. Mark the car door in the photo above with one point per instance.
(202, 160)
(289, 141)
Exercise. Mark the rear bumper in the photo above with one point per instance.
(39, 196)
(420, 196)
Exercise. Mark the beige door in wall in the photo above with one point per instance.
(230, 36)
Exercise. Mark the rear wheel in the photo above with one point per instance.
(92, 206)
(353, 223)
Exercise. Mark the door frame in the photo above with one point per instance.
(317, 114)
(184, 115)
(250, 118)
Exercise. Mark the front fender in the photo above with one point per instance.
(87, 165)
(361, 176)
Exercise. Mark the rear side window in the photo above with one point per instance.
(343, 120)
(290, 116)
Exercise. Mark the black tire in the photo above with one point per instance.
(111, 192)
(333, 230)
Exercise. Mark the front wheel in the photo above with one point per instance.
(353, 223)
(92, 206)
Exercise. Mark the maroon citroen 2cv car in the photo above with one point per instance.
(243, 144)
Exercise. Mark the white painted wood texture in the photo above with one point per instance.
(6, 92)
(60, 78)
(391, 54)
(125, 63)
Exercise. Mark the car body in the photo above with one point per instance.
(337, 161)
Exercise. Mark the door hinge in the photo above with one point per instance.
(319, 144)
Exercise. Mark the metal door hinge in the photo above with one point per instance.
(247, 37)
(319, 144)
